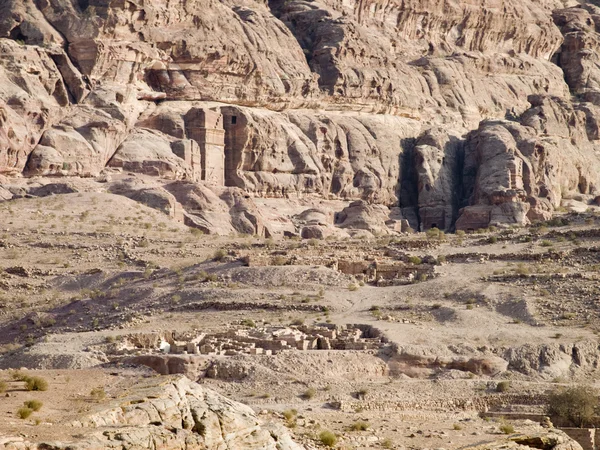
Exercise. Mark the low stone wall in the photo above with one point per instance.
(586, 437)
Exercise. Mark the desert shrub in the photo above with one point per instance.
(359, 426)
(279, 260)
(361, 394)
(387, 443)
(24, 412)
(414, 260)
(36, 384)
(493, 239)
(328, 438)
(202, 275)
(576, 405)
(522, 269)
(436, 306)
(219, 254)
(290, 414)
(507, 428)
(98, 393)
(196, 232)
(297, 322)
(503, 386)
(441, 259)
(546, 243)
(457, 426)
(432, 233)
(34, 405)
(249, 323)
(352, 287)
(309, 393)
(3, 387)
(211, 277)
(18, 376)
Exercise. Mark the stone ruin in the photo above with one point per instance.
(380, 273)
(267, 340)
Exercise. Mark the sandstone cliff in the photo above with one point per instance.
(462, 114)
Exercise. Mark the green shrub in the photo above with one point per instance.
(503, 386)
(387, 443)
(309, 393)
(36, 384)
(249, 323)
(327, 438)
(576, 405)
(219, 254)
(359, 426)
(290, 414)
(24, 412)
(546, 243)
(98, 393)
(432, 233)
(34, 405)
(279, 260)
(414, 260)
(507, 428)
(19, 376)
(196, 232)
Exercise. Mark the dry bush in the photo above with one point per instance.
(36, 384)
(576, 405)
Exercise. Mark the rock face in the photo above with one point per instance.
(460, 114)
(550, 440)
(172, 414)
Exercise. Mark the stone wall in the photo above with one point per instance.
(586, 437)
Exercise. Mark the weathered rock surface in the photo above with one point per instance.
(173, 413)
(550, 440)
(461, 114)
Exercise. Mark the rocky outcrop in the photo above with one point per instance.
(519, 172)
(553, 360)
(548, 440)
(459, 113)
(173, 414)
(218, 210)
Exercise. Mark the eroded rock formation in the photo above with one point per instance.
(460, 114)
(172, 414)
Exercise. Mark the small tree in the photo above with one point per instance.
(577, 405)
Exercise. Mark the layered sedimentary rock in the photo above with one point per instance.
(462, 114)
(170, 414)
